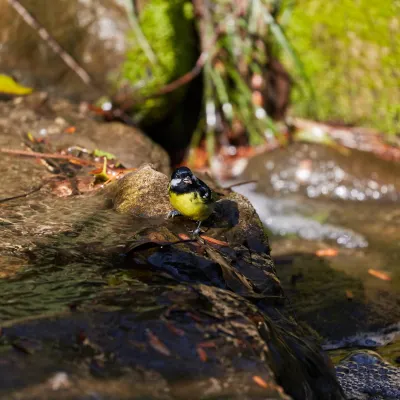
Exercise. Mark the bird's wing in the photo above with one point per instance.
(204, 191)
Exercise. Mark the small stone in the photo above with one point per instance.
(60, 380)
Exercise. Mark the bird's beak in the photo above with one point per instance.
(187, 180)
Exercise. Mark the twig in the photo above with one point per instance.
(21, 195)
(240, 184)
(184, 79)
(170, 87)
(51, 42)
(26, 153)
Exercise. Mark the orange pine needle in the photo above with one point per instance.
(70, 130)
(349, 295)
(214, 241)
(260, 381)
(175, 330)
(208, 345)
(156, 343)
(202, 354)
(183, 236)
(330, 252)
(379, 274)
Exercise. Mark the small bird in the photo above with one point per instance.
(190, 197)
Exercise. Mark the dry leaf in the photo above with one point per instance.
(183, 236)
(330, 252)
(214, 241)
(70, 130)
(156, 343)
(379, 274)
(174, 329)
(349, 295)
(202, 354)
(210, 344)
(260, 381)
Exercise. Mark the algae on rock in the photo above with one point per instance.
(169, 31)
(351, 52)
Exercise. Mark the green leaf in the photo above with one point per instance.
(101, 153)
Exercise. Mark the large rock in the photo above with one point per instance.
(49, 118)
(114, 299)
(93, 32)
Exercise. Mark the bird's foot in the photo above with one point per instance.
(197, 231)
(173, 213)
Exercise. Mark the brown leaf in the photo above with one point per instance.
(330, 252)
(260, 381)
(70, 130)
(379, 274)
(349, 295)
(174, 329)
(202, 354)
(156, 343)
(214, 241)
(209, 344)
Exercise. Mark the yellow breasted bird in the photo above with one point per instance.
(190, 197)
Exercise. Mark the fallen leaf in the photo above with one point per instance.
(202, 354)
(207, 345)
(330, 252)
(379, 274)
(349, 295)
(174, 329)
(70, 130)
(156, 343)
(214, 241)
(260, 381)
(183, 236)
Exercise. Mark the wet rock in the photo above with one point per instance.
(320, 171)
(93, 32)
(49, 118)
(112, 293)
(364, 375)
(135, 191)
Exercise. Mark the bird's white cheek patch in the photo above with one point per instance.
(175, 182)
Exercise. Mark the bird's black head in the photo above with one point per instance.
(182, 177)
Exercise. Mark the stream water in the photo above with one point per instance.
(338, 257)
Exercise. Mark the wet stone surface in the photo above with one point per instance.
(49, 118)
(319, 171)
(365, 375)
(103, 296)
(337, 257)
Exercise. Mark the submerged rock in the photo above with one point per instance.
(319, 171)
(364, 375)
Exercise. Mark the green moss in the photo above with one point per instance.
(351, 51)
(168, 29)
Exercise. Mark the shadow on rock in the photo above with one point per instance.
(133, 302)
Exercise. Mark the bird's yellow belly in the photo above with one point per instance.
(191, 206)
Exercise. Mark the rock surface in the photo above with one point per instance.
(319, 171)
(114, 300)
(49, 118)
(93, 32)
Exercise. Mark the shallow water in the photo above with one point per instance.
(337, 295)
(45, 233)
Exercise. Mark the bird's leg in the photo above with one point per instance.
(173, 213)
(197, 231)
